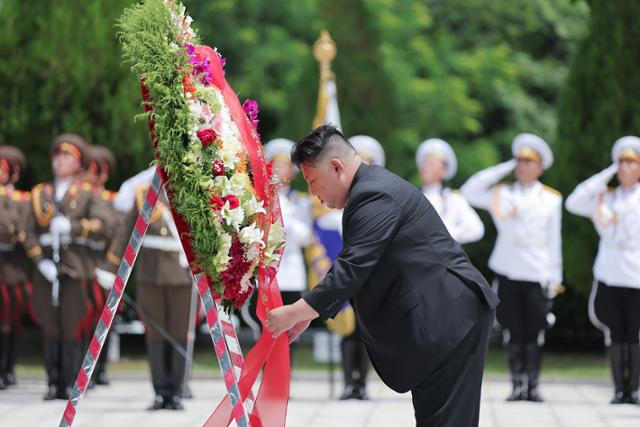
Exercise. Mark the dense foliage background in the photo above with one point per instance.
(474, 72)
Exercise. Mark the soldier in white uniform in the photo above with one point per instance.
(296, 215)
(436, 163)
(615, 301)
(527, 256)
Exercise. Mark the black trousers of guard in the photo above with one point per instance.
(450, 396)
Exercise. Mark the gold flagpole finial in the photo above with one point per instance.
(324, 51)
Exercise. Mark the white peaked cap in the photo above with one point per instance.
(370, 147)
(623, 145)
(278, 147)
(439, 147)
(528, 141)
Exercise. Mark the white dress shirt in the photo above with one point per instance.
(462, 222)
(528, 221)
(296, 215)
(616, 216)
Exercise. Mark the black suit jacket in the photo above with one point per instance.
(414, 291)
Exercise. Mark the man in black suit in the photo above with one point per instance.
(424, 311)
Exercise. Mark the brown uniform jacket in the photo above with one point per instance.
(155, 264)
(14, 207)
(90, 222)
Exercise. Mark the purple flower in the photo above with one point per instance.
(252, 109)
(190, 48)
(201, 68)
(223, 60)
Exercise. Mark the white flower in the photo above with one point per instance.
(228, 157)
(276, 235)
(245, 282)
(240, 182)
(253, 253)
(221, 260)
(252, 206)
(233, 217)
(222, 186)
(250, 235)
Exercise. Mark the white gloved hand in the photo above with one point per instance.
(105, 278)
(48, 269)
(60, 225)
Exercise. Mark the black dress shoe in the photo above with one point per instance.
(360, 394)
(102, 378)
(10, 379)
(348, 393)
(533, 395)
(518, 393)
(174, 403)
(618, 398)
(63, 393)
(158, 403)
(52, 392)
(634, 398)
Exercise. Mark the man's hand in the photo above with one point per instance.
(280, 320)
(297, 329)
(292, 318)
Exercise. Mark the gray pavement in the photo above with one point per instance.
(568, 403)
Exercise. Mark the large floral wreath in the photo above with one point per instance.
(217, 180)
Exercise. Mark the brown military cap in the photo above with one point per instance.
(72, 144)
(15, 156)
(102, 156)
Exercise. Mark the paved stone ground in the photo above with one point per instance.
(568, 403)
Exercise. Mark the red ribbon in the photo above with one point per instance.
(270, 353)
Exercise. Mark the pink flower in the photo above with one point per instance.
(217, 167)
(252, 109)
(206, 136)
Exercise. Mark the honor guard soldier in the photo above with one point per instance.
(436, 163)
(64, 218)
(14, 279)
(296, 215)
(163, 287)
(100, 165)
(527, 256)
(615, 298)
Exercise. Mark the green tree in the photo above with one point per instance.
(598, 106)
(61, 72)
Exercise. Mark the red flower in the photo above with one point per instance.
(217, 167)
(206, 136)
(216, 203)
(233, 201)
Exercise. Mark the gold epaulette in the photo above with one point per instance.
(108, 195)
(21, 196)
(552, 190)
(42, 218)
(87, 186)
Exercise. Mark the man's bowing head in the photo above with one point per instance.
(328, 163)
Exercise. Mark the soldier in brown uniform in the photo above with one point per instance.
(164, 288)
(101, 163)
(13, 261)
(65, 216)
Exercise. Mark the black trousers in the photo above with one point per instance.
(522, 310)
(450, 396)
(619, 309)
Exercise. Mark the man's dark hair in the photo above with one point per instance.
(322, 142)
